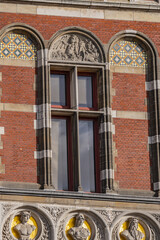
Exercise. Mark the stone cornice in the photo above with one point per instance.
(149, 7)
(81, 195)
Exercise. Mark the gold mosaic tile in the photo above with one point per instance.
(128, 53)
(18, 46)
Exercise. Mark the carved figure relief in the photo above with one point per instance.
(24, 228)
(26, 225)
(79, 232)
(132, 233)
(75, 47)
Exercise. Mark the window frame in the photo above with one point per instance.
(67, 88)
(94, 92)
(84, 113)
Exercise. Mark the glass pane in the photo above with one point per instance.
(58, 89)
(86, 138)
(59, 154)
(85, 91)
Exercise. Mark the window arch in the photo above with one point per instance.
(76, 62)
(133, 60)
(21, 50)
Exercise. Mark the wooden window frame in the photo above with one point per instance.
(94, 90)
(83, 113)
(67, 88)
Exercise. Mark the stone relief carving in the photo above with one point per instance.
(109, 215)
(157, 217)
(114, 233)
(6, 235)
(78, 232)
(24, 228)
(75, 47)
(132, 233)
(5, 209)
(100, 232)
(46, 231)
(55, 212)
(60, 235)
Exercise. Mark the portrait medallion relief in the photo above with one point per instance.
(24, 229)
(78, 228)
(25, 224)
(132, 232)
(75, 47)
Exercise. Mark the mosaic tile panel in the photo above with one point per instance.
(128, 53)
(17, 46)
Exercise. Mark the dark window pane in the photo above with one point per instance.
(85, 91)
(58, 89)
(86, 138)
(59, 154)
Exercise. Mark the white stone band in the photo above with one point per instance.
(107, 174)
(42, 56)
(1, 130)
(154, 139)
(107, 127)
(155, 84)
(41, 154)
(156, 186)
(43, 116)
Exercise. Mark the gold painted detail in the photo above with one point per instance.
(71, 225)
(18, 46)
(17, 221)
(125, 227)
(128, 53)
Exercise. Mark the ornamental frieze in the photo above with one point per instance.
(75, 47)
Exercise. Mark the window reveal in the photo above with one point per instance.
(74, 157)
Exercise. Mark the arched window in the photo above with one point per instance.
(20, 69)
(134, 84)
(77, 97)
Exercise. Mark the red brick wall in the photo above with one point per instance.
(130, 92)
(19, 140)
(132, 161)
(131, 135)
(19, 144)
(17, 85)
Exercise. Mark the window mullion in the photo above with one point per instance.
(77, 129)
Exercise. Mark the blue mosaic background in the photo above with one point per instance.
(17, 46)
(128, 53)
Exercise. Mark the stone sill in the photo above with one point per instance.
(137, 5)
(80, 195)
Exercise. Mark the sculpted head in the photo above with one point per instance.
(79, 220)
(25, 216)
(133, 224)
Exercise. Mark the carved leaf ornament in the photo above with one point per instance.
(75, 47)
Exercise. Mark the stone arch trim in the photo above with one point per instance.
(44, 225)
(26, 28)
(136, 34)
(149, 223)
(86, 35)
(98, 226)
(153, 89)
(41, 106)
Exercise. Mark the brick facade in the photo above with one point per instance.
(127, 118)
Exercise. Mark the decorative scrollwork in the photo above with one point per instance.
(109, 215)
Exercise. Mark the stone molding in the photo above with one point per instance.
(95, 4)
(52, 219)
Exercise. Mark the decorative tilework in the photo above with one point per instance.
(128, 53)
(18, 46)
